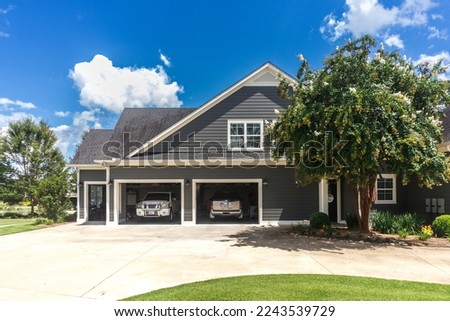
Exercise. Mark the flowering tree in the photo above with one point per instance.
(365, 112)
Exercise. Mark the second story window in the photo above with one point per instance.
(246, 134)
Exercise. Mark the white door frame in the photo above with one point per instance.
(258, 181)
(86, 185)
(323, 198)
(118, 190)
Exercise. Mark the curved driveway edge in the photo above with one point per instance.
(110, 263)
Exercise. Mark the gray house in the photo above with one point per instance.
(195, 153)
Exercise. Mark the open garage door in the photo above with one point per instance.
(150, 202)
(233, 202)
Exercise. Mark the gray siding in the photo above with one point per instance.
(282, 200)
(88, 175)
(252, 102)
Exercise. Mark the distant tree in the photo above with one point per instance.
(52, 196)
(365, 112)
(31, 156)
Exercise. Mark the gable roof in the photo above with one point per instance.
(91, 146)
(266, 75)
(142, 124)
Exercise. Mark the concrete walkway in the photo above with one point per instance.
(110, 263)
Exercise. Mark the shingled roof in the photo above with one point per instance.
(142, 124)
(91, 146)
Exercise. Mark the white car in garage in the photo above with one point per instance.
(226, 204)
(158, 204)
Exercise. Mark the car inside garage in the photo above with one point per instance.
(227, 203)
(150, 203)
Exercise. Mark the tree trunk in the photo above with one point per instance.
(364, 201)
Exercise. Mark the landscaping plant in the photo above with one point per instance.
(441, 225)
(319, 220)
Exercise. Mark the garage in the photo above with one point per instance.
(227, 201)
(149, 201)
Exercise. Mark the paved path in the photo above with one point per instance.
(110, 263)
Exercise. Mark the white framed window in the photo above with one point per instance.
(245, 134)
(386, 189)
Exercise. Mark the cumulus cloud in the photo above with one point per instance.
(370, 16)
(164, 59)
(3, 11)
(394, 41)
(443, 56)
(62, 113)
(69, 135)
(103, 85)
(7, 103)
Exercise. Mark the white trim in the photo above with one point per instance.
(118, 190)
(79, 220)
(268, 67)
(187, 163)
(258, 181)
(245, 122)
(323, 198)
(108, 196)
(87, 166)
(394, 189)
(86, 185)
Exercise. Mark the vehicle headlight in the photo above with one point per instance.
(139, 205)
(164, 205)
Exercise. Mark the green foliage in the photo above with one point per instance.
(441, 225)
(351, 220)
(383, 222)
(43, 221)
(411, 223)
(52, 195)
(403, 233)
(319, 220)
(387, 223)
(30, 158)
(364, 110)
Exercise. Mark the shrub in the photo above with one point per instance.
(383, 222)
(403, 233)
(319, 220)
(352, 221)
(408, 222)
(43, 221)
(441, 225)
(425, 233)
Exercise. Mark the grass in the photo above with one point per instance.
(17, 225)
(300, 287)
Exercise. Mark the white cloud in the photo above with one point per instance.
(164, 59)
(443, 56)
(62, 113)
(437, 17)
(7, 9)
(4, 34)
(394, 41)
(437, 34)
(6, 102)
(13, 117)
(370, 16)
(113, 88)
(69, 135)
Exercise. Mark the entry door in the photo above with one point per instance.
(97, 202)
(332, 200)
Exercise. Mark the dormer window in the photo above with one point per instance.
(245, 134)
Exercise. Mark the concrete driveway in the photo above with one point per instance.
(110, 263)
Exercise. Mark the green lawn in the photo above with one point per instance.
(301, 287)
(10, 226)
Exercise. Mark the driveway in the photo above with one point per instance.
(110, 263)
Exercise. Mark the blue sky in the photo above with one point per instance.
(77, 64)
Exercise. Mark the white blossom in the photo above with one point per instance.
(316, 133)
(383, 139)
(352, 90)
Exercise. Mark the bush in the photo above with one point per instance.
(408, 222)
(319, 220)
(43, 221)
(441, 225)
(352, 221)
(383, 222)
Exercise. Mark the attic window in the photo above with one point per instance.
(245, 134)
